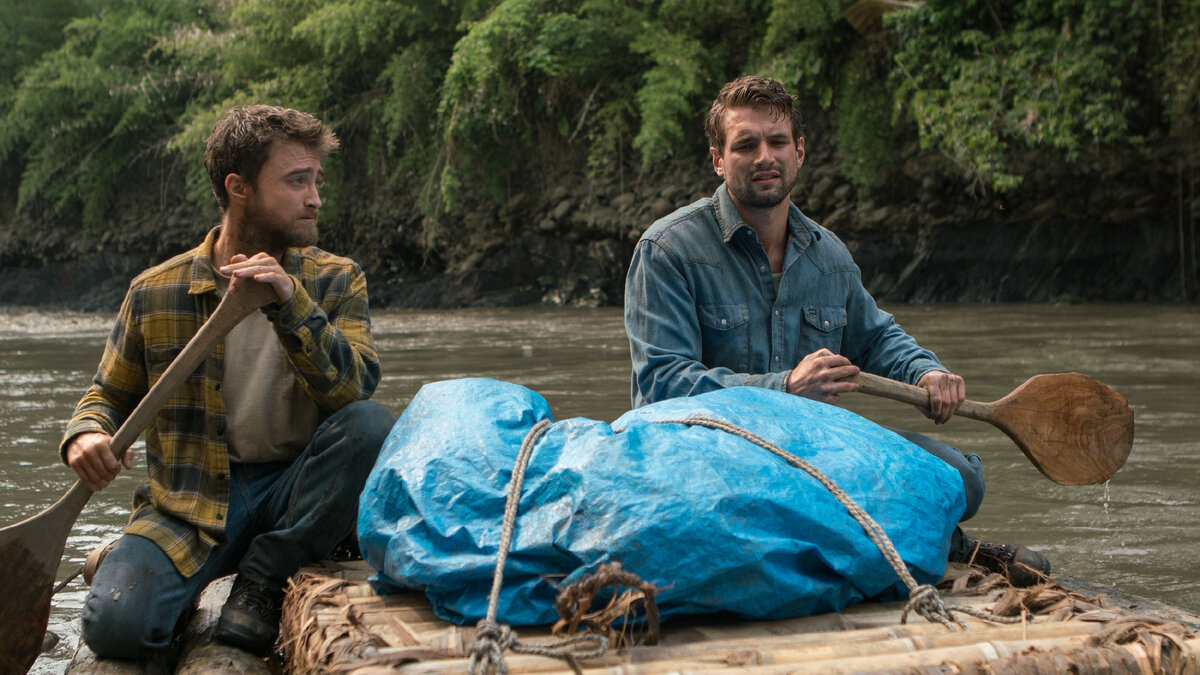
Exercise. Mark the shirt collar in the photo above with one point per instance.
(800, 229)
(203, 280)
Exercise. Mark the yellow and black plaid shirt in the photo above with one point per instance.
(325, 330)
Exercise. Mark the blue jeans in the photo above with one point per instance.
(281, 517)
(968, 466)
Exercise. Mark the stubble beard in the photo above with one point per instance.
(746, 195)
(275, 235)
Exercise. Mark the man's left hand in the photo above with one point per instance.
(262, 268)
(946, 392)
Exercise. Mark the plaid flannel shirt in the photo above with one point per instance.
(325, 330)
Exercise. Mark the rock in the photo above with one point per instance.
(560, 212)
(660, 207)
(624, 202)
(840, 219)
(879, 217)
(823, 187)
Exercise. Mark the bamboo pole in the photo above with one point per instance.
(1050, 655)
(788, 651)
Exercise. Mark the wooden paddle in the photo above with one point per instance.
(1075, 430)
(30, 550)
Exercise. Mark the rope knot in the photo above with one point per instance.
(925, 601)
(491, 640)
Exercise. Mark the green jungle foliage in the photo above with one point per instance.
(433, 96)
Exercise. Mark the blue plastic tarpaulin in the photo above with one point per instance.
(719, 522)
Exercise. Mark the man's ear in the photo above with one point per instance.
(718, 166)
(238, 188)
(800, 152)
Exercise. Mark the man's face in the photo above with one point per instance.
(283, 206)
(760, 159)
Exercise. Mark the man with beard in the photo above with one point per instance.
(256, 464)
(742, 289)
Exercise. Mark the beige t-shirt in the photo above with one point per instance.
(268, 416)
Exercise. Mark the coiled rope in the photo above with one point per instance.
(492, 638)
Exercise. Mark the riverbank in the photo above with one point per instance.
(1104, 229)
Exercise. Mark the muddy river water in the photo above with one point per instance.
(1139, 533)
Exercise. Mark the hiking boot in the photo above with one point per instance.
(1020, 565)
(250, 617)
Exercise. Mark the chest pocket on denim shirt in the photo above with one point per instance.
(823, 327)
(725, 332)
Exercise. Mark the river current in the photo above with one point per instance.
(1138, 532)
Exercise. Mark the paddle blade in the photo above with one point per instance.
(25, 590)
(1075, 430)
(30, 552)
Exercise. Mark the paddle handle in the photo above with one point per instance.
(876, 385)
(232, 309)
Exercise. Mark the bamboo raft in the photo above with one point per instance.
(334, 623)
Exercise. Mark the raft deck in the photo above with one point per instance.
(334, 622)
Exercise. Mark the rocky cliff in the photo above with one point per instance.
(1110, 227)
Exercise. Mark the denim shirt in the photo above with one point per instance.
(702, 311)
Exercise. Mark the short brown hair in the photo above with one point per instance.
(751, 91)
(241, 142)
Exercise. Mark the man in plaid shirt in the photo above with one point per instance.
(256, 463)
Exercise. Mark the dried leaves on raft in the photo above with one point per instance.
(325, 630)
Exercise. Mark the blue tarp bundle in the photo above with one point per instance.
(720, 522)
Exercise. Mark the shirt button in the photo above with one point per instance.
(827, 324)
(776, 312)
(220, 516)
(762, 268)
(724, 322)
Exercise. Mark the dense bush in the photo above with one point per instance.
(434, 95)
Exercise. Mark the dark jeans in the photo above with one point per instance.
(281, 517)
(968, 466)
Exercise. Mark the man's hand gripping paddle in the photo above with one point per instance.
(30, 550)
(1075, 430)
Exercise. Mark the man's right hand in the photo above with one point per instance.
(817, 375)
(92, 459)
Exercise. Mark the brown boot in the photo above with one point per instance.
(1020, 565)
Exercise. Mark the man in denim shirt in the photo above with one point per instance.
(741, 289)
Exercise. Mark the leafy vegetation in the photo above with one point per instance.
(433, 96)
